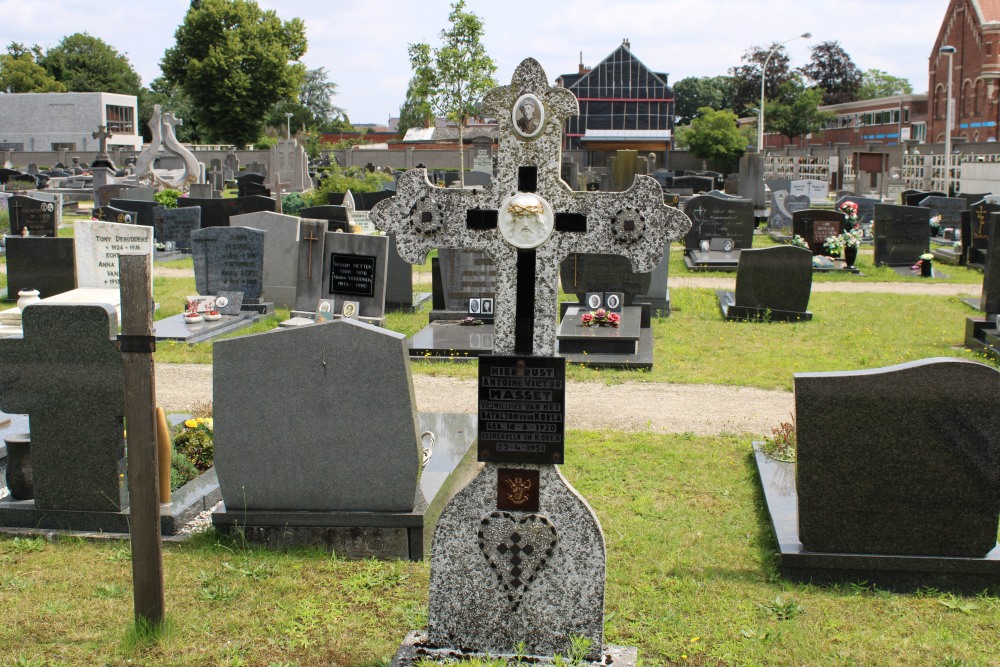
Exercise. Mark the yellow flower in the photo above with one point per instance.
(191, 423)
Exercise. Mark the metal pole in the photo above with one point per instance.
(950, 52)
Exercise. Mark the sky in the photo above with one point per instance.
(363, 45)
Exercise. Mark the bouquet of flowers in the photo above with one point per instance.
(851, 238)
(935, 225)
(601, 318)
(850, 211)
(834, 244)
(799, 242)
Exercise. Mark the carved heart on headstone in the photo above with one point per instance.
(517, 550)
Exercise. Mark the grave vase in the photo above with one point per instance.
(19, 478)
(27, 296)
(850, 255)
(926, 268)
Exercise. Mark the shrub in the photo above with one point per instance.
(292, 203)
(167, 198)
(195, 442)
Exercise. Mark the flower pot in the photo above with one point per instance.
(926, 268)
(19, 478)
(27, 296)
(850, 255)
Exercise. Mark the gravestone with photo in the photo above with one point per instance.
(145, 211)
(112, 214)
(334, 478)
(518, 559)
(354, 271)
(902, 234)
(904, 495)
(38, 217)
(720, 228)
(230, 259)
(281, 253)
(772, 284)
(66, 372)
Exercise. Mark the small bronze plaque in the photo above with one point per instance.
(517, 490)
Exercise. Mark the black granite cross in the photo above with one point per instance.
(527, 219)
(66, 374)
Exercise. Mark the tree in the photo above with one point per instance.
(695, 92)
(875, 83)
(86, 64)
(456, 74)
(794, 112)
(714, 135)
(235, 61)
(746, 77)
(314, 108)
(416, 110)
(831, 69)
(173, 99)
(21, 73)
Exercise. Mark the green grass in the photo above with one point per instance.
(691, 581)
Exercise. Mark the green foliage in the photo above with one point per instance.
(292, 203)
(875, 83)
(84, 63)
(235, 61)
(167, 197)
(314, 108)
(20, 72)
(170, 98)
(416, 110)
(714, 135)
(794, 112)
(694, 92)
(195, 442)
(182, 471)
(832, 70)
(355, 179)
(454, 76)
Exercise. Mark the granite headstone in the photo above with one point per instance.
(281, 250)
(230, 259)
(902, 234)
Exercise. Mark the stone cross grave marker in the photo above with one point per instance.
(277, 187)
(528, 220)
(518, 555)
(66, 374)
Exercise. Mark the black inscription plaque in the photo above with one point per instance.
(352, 274)
(522, 409)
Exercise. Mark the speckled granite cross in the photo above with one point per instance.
(527, 219)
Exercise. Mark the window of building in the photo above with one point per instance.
(918, 132)
(120, 120)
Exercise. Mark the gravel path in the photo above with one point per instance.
(631, 406)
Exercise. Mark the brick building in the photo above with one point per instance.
(973, 28)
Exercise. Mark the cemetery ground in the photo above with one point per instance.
(692, 574)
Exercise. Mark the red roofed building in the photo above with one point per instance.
(973, 28)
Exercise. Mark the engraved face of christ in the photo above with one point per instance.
(525, 221)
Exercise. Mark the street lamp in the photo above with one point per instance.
(950, 52)
(763, 78)
(288, 128)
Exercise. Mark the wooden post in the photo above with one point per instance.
(137, 347)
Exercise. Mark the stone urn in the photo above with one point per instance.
(850, 255)
(19, 478)
(926, 268)
(26, 297)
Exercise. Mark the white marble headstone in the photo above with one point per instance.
(98, 245)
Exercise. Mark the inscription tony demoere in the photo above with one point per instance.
(522, 409)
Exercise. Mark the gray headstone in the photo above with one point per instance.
(866, 207)
(324, 449)
(175, 225)
(949, 208)
(98, 246)
(138, 193)
(201, 190)
(66, 374)
(583, 272)
(913, 471)
(902, 234)
(230, 259)
(752, 179)
(281, 250)
(810, 187)
(775, 278)
(465, 274)
(103, 194)
(309, 277)
(354, 269)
